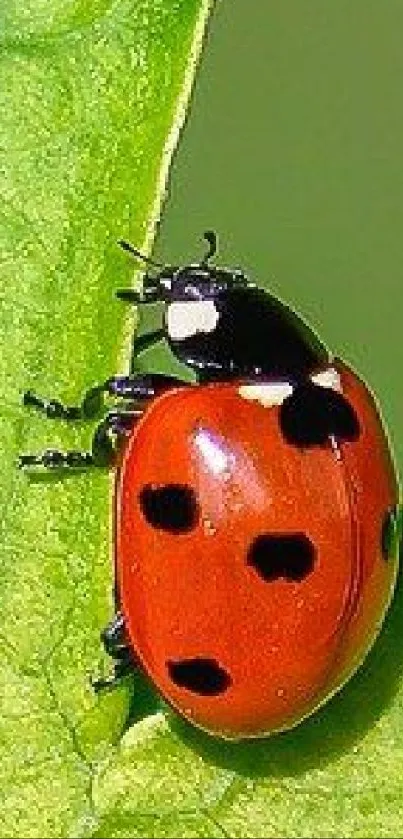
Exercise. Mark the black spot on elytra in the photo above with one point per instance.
(199, 675)
(391, 532)
(290, 556)
(311, 414)
(172, 507)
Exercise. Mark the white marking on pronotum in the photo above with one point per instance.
(186, 318)
(268, 394)
(328, 378)
(274, 393)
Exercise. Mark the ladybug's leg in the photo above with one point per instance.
(137, 386)
(116, 643)
(109, 433)
(90, 407)
(54, 459)
(117, 423)
(103, 451)
(114, 637)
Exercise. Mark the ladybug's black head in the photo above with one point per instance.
(195, 282)
(199, 282)
(220, 325)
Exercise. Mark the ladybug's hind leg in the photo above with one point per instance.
(108, 434)
(138, 388)
(114, 637)
(116, 643)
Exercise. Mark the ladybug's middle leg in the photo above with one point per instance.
(92, 403)
(135, 386)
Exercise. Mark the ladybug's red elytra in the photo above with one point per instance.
(257, 509)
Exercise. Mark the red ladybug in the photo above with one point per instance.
(257, 518)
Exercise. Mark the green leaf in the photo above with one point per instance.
(92, 99)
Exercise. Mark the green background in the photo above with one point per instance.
(293, 152)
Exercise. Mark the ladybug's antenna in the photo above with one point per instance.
(211, 237)
(128, 247)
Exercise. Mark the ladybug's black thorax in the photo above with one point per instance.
(239, 331)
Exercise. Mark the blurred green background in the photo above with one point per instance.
(293, 152)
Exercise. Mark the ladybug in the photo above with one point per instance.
(257, 514)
